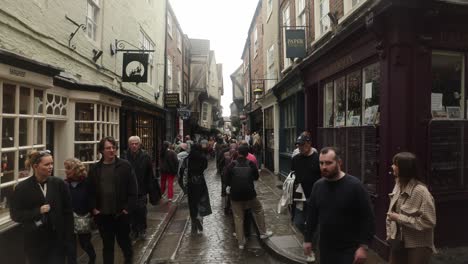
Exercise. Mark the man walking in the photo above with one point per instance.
(340, 204)
(143, 168)
(112, 191)
(240, 178)
(307, 170)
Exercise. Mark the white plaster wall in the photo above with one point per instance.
(39, 30)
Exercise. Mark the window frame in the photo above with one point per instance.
(301, 20)
(286, 22)
(92, 23)
(321, 19)
(105, 122)
(270, 67)
(18, 172)
(169, 24)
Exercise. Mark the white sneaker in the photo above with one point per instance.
(241, 247)
(266, 235)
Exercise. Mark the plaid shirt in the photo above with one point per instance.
(417, 215)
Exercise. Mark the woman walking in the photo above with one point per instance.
(192, 181)
(411, 216)
(76, 174)
(168, 168)
(42, 204)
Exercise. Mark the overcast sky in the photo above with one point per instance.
(225, 23)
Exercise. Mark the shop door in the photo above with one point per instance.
(269, 140)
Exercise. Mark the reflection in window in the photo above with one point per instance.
(328, 102)
(38, 102)
(91, 126)
(23, 131)
(447, 93)
(8, 132)
(371, 92)
(25, 96)
(9, 94)
(39, 131)
(289, 123)
(84, 111)
(340, 101)
(353, 113)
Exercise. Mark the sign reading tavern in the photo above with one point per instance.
(135, 67)
(171, 100)
(295, 43)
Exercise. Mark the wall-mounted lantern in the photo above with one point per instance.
(258, 92)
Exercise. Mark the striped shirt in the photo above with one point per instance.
(417, 215)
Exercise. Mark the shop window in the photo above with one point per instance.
(21, 123)
(9, 95)
(353, 113)
(371, 77)
(92, 122)
(340, 102)
(25, 96)
(289, 123)
(353, 100)
(328, 119)
(447, 82)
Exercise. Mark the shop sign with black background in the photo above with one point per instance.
(135, 67)
(295, 43)
(171, 100)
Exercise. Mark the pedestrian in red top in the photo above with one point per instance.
(168, 168)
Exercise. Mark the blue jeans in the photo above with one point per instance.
(299, 220)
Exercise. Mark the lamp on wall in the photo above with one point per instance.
(258, 92)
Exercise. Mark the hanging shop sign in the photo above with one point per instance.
(171, 100)
(295, 43)
(135, 67)
(184, 113)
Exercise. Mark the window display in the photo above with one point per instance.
(447, 83)
(92, 122)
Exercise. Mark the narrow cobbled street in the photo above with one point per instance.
(217, 244)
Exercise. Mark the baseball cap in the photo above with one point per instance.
(302, 139)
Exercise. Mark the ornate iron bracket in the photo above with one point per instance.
(72, 35)
(119, 45)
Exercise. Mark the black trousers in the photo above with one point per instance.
(50, 250)
(336, 256)
(138, 216)
(85, 244)
(111, 228)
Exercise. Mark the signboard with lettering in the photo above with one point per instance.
(184, 113)
(171, 100)
(135, 67)
(295, 43)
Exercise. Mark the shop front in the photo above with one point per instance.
(144, 120)
(397, 84)
(290, 96)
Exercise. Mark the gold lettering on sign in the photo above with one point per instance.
(296, 42)
(17, 73)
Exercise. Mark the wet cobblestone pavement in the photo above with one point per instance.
(217, 244)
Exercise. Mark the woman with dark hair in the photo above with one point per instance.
(42, 204)
(168, 168)
(76, 173)
(411, 216)
(192, 181)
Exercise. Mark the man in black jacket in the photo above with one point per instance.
(141, 164)
(340, 205)
(240, 178)
(112, 193)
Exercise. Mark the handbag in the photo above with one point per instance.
(82, 223)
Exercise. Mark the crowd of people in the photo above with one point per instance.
(331, 208)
